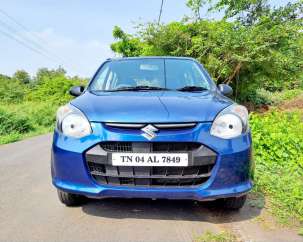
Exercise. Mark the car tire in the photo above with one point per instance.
(234, 203)
(69, 199)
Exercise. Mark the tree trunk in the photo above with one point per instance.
(235, 72)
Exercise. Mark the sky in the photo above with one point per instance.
(75, 34)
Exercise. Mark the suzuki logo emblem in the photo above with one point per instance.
(149, 132)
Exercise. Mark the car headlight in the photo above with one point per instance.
(72, 122)
(231, 122)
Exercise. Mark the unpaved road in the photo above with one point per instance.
(30, 210)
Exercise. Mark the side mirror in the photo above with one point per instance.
(225, 89)
(76, 91)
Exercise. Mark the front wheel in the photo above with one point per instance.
(70, 199)
(234, 203)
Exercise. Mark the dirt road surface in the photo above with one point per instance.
(30, 210)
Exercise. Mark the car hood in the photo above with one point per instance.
(151, 106)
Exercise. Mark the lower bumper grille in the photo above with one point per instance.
(201, 163)
(150, 176)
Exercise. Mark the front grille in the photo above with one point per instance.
(149, 176)
(177, 126)
(174, 147)
(201, 162)
(150, 147)
(117, 146)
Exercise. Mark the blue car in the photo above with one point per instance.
(152, 127)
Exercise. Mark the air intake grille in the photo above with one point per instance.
(151, 147)
(117, 146)
(150, 176)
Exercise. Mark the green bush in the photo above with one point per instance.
(262, 96)
(11, 90)
(256, 96)
(13, 123)
(26, 119)
(12, 137)
(43, 114)
(263, 52)
(40, 114)
(53, 90)
(290, 94)
(30, 108)
(278, 152)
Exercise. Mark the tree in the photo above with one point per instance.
(22, 76)
(264, 51)
(53, 86)
(44, 73)
(195, 6)
(11, 90)
(248, 12)
(128, 45)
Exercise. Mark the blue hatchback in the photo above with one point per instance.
(152, 127)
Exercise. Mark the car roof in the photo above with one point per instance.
(150, 57)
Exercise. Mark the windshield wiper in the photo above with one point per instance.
(192, 89)
(137, 88)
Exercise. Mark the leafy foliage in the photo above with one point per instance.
(267, 53)
(128, 45)
(52, 87)
(224, 236)
(12, 122)
(28, 107)
(11, 90)
(278, 152)
(263, 96)
(22, 76)
(247, 11)
(195, 6)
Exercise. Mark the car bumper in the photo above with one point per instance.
(231, 176)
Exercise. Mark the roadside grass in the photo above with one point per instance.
(276, 98)
(13, 137)
(278, 153)
(26, 119)
(223, 236)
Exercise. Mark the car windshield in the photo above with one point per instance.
(150, 74)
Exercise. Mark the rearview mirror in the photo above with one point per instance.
(76, 91)
(225, 89)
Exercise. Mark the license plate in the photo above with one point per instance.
(148, 159)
